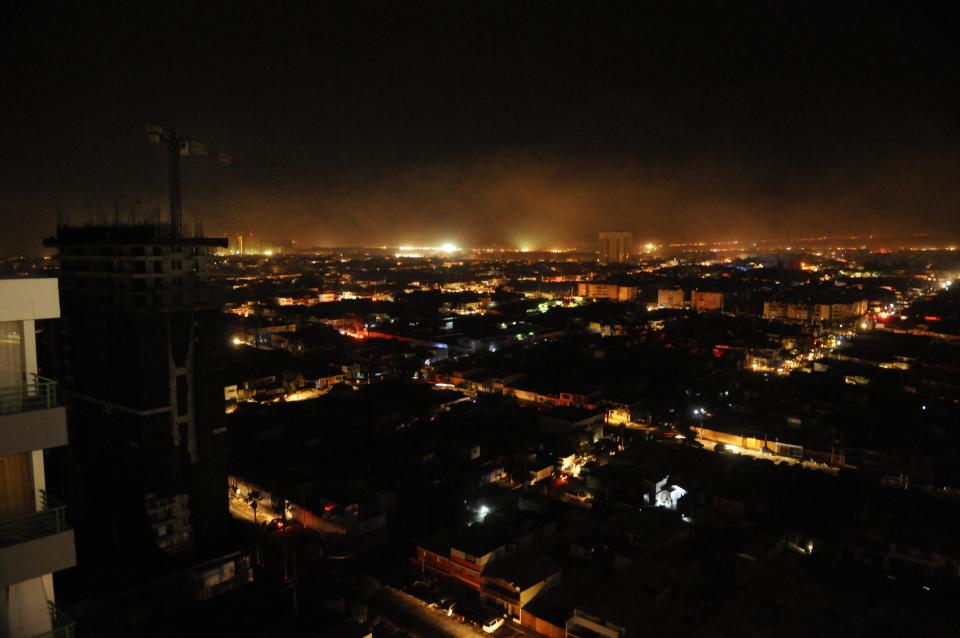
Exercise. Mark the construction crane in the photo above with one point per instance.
(177, 147)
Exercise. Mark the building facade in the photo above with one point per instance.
(670, 297)
(35, 540)
(706, 301)
(815, 312)
(612, 292)
(145, 402)
(615, 248)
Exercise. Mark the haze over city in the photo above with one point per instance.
(511, 125)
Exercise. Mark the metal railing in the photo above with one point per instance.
(40, 394)
(62, 624)
(50, 519)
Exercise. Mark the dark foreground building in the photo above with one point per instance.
(144, 473)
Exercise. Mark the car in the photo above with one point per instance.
(285, 525)
(447, 603)
(492, 624)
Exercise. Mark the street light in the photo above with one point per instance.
(700, 412)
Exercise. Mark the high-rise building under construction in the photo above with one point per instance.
(145, 469)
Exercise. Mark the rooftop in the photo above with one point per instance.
(127, 233)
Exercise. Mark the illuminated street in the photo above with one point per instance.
(414, 617)
(774, 458)
(243, 511)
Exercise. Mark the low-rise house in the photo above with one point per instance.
(511, 584)
(465, 552)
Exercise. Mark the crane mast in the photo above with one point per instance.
(178, 146)
(173, 179)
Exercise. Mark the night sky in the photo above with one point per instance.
(518, 124)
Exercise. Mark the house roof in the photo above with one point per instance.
(524, 571)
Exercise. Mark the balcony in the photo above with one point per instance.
(31, 417)
(39, 395)
(61, 625)
(36, 543)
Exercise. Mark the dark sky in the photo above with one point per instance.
(533, 123)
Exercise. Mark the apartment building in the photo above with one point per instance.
(670, 298)
(612, 292)
(35, 541)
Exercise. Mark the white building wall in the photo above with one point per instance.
(23, 605)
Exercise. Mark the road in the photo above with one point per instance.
(776, 458)
(412, 616)
(243, 511)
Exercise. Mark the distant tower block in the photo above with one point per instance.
(615, 248)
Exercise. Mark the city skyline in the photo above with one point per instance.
(444, 320)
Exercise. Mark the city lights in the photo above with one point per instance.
(508, 320)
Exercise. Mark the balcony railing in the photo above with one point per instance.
(40, 394)
(51, 519)
(63, 625)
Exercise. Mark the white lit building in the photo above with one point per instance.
(35, 541)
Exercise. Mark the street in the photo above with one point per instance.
(775, 458)
(412, 616)
(242, 510)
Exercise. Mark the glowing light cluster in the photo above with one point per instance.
(421, 251)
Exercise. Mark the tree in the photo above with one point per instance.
(253, 496)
